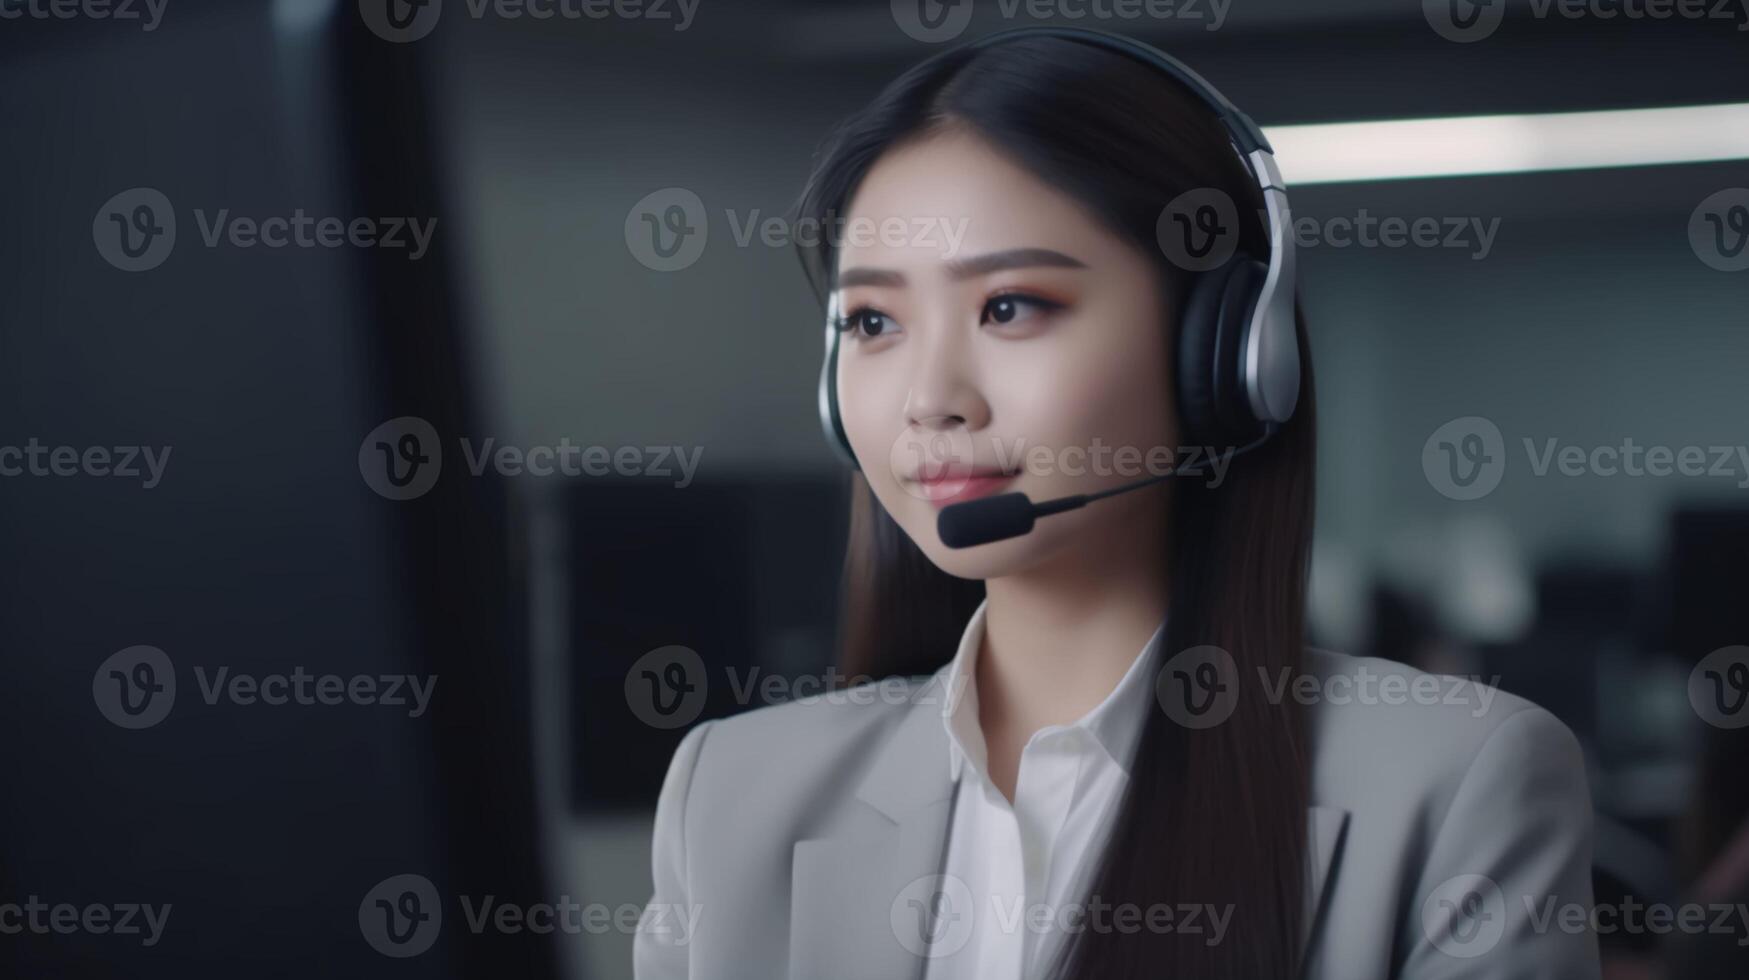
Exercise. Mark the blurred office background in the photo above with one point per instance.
(1591, 317)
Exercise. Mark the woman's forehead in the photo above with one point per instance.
(958, 181)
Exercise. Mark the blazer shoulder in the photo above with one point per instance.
(824, 720)
(1370, 717)
(817, 745)
(1353, 696)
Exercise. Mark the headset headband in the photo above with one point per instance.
(1246, 135)
(1269, 357)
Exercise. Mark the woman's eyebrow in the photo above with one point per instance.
(1013, 258)
(977, 265)
(863, 275)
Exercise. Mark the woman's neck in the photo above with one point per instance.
(1058, 639)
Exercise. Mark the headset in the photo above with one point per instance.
(1238, 363)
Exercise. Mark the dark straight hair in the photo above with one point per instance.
(1215, 816)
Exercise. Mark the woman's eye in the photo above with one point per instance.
(867, 322)
(1013, 307)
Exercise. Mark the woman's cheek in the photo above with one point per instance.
(871, 408)
(1060, 400)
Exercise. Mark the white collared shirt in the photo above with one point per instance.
(1024, 868)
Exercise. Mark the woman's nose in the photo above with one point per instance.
(944, 393)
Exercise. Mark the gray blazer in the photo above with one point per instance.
(1450, 835)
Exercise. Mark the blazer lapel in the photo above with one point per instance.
(1326, 827)
(864, 901)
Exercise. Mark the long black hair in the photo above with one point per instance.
(1215, 816)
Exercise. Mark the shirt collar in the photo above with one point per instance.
(1115, 722)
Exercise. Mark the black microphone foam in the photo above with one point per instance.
(986, 519)
(1010, 515)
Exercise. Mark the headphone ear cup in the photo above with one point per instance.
(1213, 406)
(830, 422)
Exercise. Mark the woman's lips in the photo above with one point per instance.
(952, 489)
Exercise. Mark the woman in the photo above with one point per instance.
(1114, 759)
